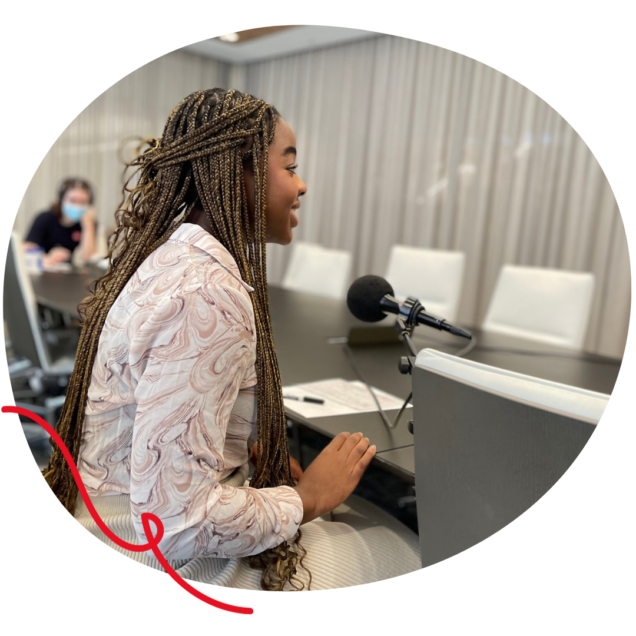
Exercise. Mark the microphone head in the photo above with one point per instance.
(364, 296)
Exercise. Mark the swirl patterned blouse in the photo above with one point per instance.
(172, 405)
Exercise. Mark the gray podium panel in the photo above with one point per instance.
(481, 460)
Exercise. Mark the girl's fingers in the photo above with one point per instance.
(350, 443)
(363, 463)
(358, 451)
(337, 442)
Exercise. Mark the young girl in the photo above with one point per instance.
(176, 375)
(70, 223)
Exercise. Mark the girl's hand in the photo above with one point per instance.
(88, 218)
(57, 255)
(334, 474)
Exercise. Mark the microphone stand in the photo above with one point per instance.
(407, 320)
(405, 332)
(406, 363)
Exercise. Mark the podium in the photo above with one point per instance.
(489, 444)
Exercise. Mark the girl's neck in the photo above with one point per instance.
(198, 217)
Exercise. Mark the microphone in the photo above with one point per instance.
(370, 298)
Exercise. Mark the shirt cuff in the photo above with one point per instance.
(291, 509)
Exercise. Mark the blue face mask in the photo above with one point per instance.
(74, 212)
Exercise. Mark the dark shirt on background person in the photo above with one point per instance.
(48, 232)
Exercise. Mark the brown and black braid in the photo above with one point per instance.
(210, 137)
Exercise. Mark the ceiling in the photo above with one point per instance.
(268, 42)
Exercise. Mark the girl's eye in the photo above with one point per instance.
(293, 168)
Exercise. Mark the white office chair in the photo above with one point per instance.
(318, 270)
(434, 277)
(546, 305)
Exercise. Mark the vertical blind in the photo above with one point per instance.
(399, 142)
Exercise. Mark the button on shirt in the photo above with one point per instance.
(171, 407)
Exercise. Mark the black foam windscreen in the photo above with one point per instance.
(364, 296)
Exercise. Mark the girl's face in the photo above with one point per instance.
(75, 203)
(284, 186)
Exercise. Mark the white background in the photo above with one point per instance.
(566, 566)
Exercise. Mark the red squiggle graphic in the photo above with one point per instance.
(146, 518)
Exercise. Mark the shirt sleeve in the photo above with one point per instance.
(191, 355)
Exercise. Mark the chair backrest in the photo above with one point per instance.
(318, 270)
(20, 308)
(434, 277)
(547, 305)
(489, 443)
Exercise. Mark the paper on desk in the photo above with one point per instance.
(58, 267)
(341, 398)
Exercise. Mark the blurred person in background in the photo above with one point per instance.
(69, 223)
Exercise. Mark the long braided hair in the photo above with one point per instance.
(209, 139)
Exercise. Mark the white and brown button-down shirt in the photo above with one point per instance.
(172, 405)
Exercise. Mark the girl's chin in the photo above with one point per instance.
(281, 240)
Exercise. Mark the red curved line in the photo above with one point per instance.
(153, 543)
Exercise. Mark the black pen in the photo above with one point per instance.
(304, 399)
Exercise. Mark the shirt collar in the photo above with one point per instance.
(195, 235)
